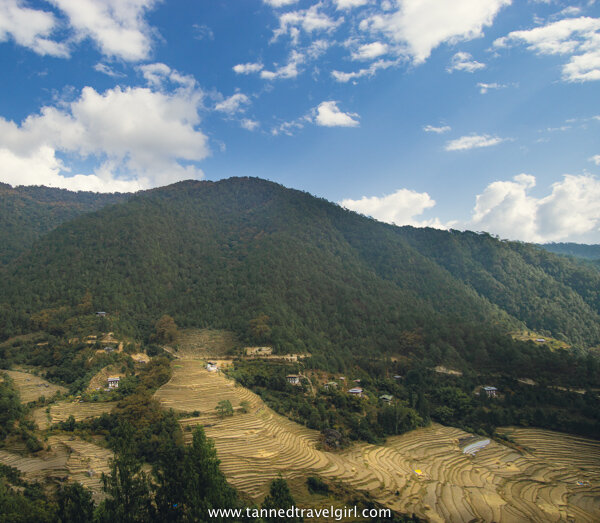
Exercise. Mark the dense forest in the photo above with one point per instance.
(330, 281)
(26, 213)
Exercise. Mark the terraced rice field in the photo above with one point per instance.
(496, 484)
(63, 409)
(32, 387)
(68, 457)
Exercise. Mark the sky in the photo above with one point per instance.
(464, 114)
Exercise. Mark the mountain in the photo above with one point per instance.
(577, 250)
(26, 213)
(221, 254)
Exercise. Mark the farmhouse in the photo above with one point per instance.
(331, 385)
(491, 392)
(108, 350)
(212, 366)
(293, 379)
(113, 382)
(386, 398)
(101, 313)
(356, 391)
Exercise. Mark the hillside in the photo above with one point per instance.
(26, 213)
(218, 254)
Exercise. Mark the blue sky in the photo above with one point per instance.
(477, 114)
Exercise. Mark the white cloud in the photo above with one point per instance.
(233, 104)
(343, 77)
(107, 70)
(419, 26)
(571, 210)
(577, 38)
(370, 51)
(484, 88)
(248, 68)
(30, 28)
(399, 208)
(309, 20)
(350, 4)
(438, 130)
(158, 75)
(249, 125)
(595, 159)
(289, 70)
(117, 26)
(151, 136)
(473, 141)
(279, 3)
(329, 115)
(462, 61)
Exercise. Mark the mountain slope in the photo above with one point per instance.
(26, 213)
(331, 281)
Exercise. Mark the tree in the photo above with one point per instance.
(224, 408)
(165, 329)
(279, 497)
(127, 487)
(75, 504)
(259, 328)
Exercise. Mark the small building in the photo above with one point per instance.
(293, 379)
(101, 313)
(331, 385)
(356, 391)
(491, 392)
(541, 340)
(212, 366)
(108, 350)
(113, 382)
(387, 398)
(397, 377)
(342, 378)
(356, 381)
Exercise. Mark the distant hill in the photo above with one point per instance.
(577, 250)
(26, 213)
(332, 282)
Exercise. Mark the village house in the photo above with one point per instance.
(293, 379)
(113, 382)
(356, 391)
(212, 366)
(491, 392)
(331, 385)
(101, 313)
(108, 350)
(387, 398)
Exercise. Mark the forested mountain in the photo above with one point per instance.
(220, 254)
(26, 213)
(577, 250)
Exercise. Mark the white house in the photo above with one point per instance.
(491, 392)
(211, 366)
(113, 382)
(293, 379)
(356, 391)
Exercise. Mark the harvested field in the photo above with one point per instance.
(68, 457)
(32, 387)
(423, 472)
(62, 410)
(205, 343)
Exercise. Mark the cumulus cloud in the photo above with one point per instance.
(438, 130)
(399, 208)
(462, 61)
(473, 141)
(308, 20)
(484, 88)
(30, 28)
(571, 210)
(107, 70)
(249, 124)
(576, 38)
(344, 77)
(118, 27)
(233, 104)
(248, 68)
(595, 159)
(350, 4)
(279, 3)
(289, 70)
(329, 115)
(370, 51)
(138, 138)
(419, 26)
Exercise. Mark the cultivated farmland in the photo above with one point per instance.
(423, 472)
(32, 387)
(63, 409)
